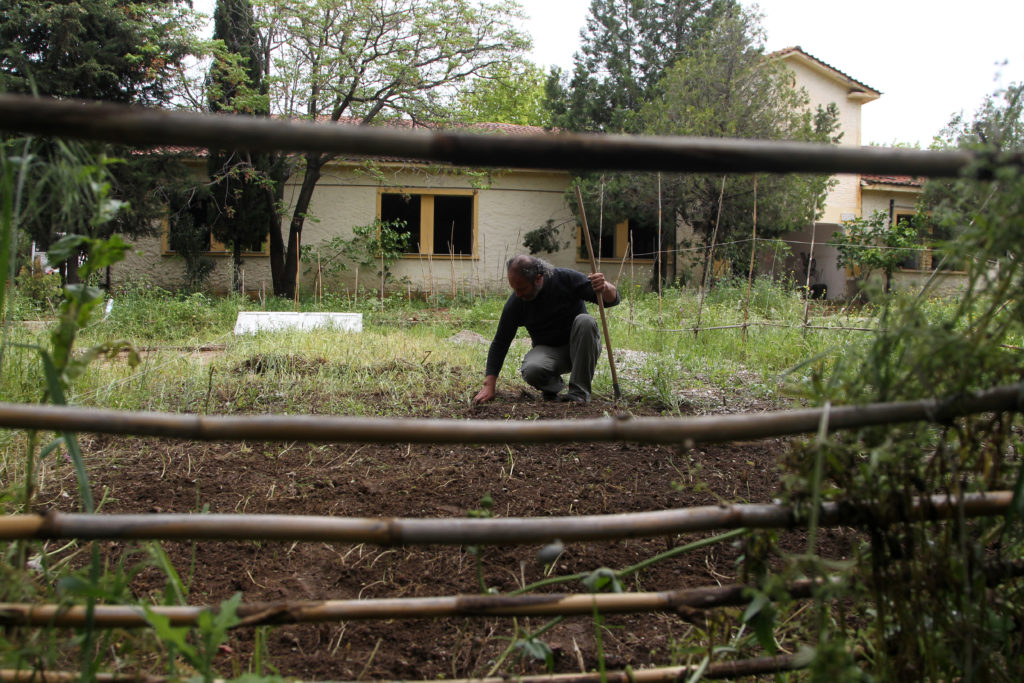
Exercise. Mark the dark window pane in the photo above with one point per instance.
(189, 230)
(604, 246)
(645, 239)
(453, 225)
(405, 210)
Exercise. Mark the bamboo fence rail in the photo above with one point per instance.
(483, 531)
(623, 427)
(160, 128)
(295, 612)
(720, 670)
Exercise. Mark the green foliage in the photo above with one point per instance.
(372, 247)
(322, 70)
(627, 46)
(996, 128)
(188, 234)
(721, 87)
(244, 186)
(544, 239)
(93, 49)
(872, 244)
(508, 92)
(96, 50)
(42, 289)
(925, 581)
(212, 630)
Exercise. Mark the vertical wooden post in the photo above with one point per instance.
(600, 298)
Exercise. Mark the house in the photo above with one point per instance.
(464, 224)
(810, 247)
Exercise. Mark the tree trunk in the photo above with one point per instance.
(236, 267)
(314, 162)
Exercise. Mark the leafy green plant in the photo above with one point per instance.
(42, 289)
(211, 631)
(924, 581)
(872, 244)
(374, 247)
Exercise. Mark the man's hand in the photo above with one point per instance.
(487, 393)
(602, 287)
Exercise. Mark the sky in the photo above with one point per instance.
(929, 58)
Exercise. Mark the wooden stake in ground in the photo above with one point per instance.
(600, 299)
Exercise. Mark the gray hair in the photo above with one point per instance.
(530, 267)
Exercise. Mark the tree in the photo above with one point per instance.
(510, 92)
(365, 61)
(243, 185)
(111, 50)
(723, 87)
(627, 46)
(872, 244)
(950, 205)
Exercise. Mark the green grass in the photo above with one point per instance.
(404, 360)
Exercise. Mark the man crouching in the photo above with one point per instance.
(551, 303)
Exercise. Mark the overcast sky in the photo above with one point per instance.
(929, 58)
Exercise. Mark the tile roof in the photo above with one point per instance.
(786, 51)
(902, 180)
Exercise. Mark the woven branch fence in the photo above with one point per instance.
(114, 123)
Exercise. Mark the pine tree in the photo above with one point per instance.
(721, 87)
(626, 47)
(244, 186)
(110, 50)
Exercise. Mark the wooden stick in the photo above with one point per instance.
(493, 531)
(719, 670)
(338, 429)
(600, 297)
(320, 611)
(676, 154)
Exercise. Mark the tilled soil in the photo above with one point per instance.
(143, 475)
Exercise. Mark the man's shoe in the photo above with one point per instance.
(573, 398)
(549, 395)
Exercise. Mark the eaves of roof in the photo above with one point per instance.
(845, 78)
(910, 183)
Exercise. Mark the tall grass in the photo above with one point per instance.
(404, 361)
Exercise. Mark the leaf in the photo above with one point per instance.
(173, 635)
(603, 580)
(756, 605)
(175, 593)
(537, 649)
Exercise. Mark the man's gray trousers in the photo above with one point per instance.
(543, 366)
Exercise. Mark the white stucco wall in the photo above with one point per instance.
(823, 89)
(509, 204)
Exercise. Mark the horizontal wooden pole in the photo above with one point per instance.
(294, 612)
(162, 129)
(623, 427)
(716, 671)
(495, 531)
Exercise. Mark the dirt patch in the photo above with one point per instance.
(409, 480)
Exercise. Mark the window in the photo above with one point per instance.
(439, 222)
(187, 228)
(615, 245)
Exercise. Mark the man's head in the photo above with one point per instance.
(526, 275)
